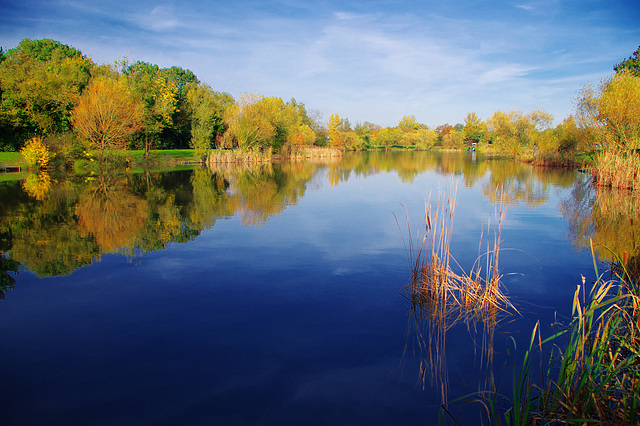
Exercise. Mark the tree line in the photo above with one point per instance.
(53, 93)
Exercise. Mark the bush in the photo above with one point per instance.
(36, 153)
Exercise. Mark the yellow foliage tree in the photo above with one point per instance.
(333, 126)
(515, 132)
(36, 153)
(107, 115)
(613, 111)
(259, 121)
(38, 185)
(425, 138)
(453, 139)
(474, 128)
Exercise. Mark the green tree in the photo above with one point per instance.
(178, 135)
(41, 81)
(345, 125)
(159, 96)
(366, 131)
(475, 129)
(207, 109)
(302, 112)
(631, 64)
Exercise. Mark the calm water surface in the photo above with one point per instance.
(272, 295)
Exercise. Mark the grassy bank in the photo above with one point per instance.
(12, 159)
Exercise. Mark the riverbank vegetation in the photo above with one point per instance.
(51, 91)
(591, 373)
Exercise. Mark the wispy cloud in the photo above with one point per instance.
(160, 18)
(373, 61)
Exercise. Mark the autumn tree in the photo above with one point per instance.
(514, 132)
(256, 121)
(408, 122)
(366, 131)
(475, 129)
(308, 118)
(425, 138)
(443, 130)
(300, 126)
(107, 115)
(388, 137)
(612, 111)
(334, 127)
(40, 83)
(569, 137)
(453, 139)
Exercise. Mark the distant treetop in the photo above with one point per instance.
(632, 64)
(43, 50)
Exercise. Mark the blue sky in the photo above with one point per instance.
(373, 61)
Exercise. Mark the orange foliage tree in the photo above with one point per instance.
(107, 115)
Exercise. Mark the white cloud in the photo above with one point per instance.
(160, 18)
(502, 74)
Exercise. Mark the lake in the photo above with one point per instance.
(273, 294)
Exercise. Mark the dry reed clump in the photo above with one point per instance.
(617, 170)
(310, 152)
(238, 156)
(441, 298)
(434, 284)
(258, 156)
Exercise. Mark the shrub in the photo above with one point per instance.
(36, 153)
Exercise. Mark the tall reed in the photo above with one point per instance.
(434, 283)
(441, 297)
(595, 376)
(294, 152)
(617, 170)
(238, 156)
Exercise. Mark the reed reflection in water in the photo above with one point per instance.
(442, 295)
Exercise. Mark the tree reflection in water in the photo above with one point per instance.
(60, 226)
(608, 217)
